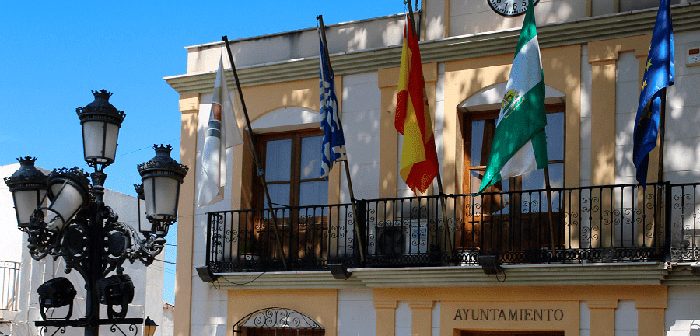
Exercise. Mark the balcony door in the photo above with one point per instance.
(299, 195)
(512, 214)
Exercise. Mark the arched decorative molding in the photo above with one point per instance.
(489, 98)
(286, 119)
(278, 318)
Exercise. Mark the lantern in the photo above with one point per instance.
(101, 122)
(68, 192)
(161, 178)
(28, 188)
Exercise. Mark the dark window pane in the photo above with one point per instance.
(279, 194)
(278, 159)
(313, 193)
(476, 139)
(555, 136)
(311, 157)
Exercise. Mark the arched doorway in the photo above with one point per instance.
(276, 321)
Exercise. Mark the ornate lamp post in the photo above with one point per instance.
(79, 227)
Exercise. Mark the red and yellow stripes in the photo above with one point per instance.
(419, 164)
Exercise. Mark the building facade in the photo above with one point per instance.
(615, 259)
(22, 275)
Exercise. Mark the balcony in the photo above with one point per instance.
(611, 224)
(9, 289)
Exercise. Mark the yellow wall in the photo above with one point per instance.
(189, 107)
(603, 55)
(464, 78)
(536, 308)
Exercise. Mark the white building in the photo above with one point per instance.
(19, 318)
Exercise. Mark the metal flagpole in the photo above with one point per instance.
(345, 160)
(258, 166)
(548, 187)
(662, 133)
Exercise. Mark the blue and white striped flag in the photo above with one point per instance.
(333, 146)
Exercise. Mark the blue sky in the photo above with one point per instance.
(54, 53)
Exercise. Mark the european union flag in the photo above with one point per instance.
(333, 146)
(657, 76)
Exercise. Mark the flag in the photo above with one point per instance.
(222, 133)
(657, 76)
(419, 163)
(519, 143)
(333, 146)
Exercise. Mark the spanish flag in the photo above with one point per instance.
(419, 163)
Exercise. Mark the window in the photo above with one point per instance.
(479, 128)
(292, 169)
(508, 219)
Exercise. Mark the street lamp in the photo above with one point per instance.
(28, 188)
(78, 226)
(149, 327)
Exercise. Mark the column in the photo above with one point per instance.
(421, 318)
(386, 317)
(189, 107)
(603, 317)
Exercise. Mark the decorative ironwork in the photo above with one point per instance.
(617, 223)
(276, 317)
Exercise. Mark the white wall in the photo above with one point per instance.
(473, 17)
(356, 314)
(683, 312)
(403, 319)
(682, 153)
(346, 37)
(627, 92)
(209, 305)
(361, 118)
(11, 238)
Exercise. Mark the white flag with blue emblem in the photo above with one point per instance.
(222, 133)
(333, 146)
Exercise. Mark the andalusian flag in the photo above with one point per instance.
(419, 163)
(519, 144)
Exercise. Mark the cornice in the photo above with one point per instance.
(685, 18)
(651, 273)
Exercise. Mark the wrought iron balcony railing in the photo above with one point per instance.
(614, 223)
(9, 285)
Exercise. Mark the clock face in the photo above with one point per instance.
(509, 7)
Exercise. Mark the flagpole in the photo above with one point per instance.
(258, 166)
(662, 133)
(347, 168)
(548, 187)
(441, 191)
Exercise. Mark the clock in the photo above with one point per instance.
(509, 7)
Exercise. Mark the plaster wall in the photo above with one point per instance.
(683, 312)
(627, 88)
(342, 38)
(356, 316)
(682, 152)
(360, 117)
(474, 17)
(209, 305)
(11, 238)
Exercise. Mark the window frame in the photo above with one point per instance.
(467, 117)
(295, 179)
